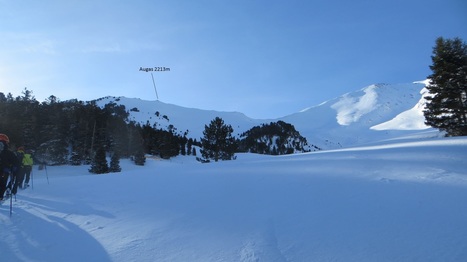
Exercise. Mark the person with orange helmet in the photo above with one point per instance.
(4, 138)
(9, 164)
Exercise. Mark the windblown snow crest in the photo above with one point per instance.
(351, 107)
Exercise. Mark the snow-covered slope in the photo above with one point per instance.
(411, 119)
(374, 113)
(402, 201)
(184, 119)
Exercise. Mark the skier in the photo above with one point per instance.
(9, 164)
(26, 167)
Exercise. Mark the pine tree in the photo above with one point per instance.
(183, 142)
(140, 159)
(115, 163)
(99, 163)
(218, 143)
(75, 159)
(446, 107)
(189, 146)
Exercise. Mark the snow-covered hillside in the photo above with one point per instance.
(374, 113)
(402, 201)
(183, 119)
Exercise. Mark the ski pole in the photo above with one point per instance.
(32, 178)
(46, 174)
(11, 205)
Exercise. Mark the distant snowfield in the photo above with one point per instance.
(403, 200)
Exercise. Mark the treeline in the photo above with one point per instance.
(72, 131)
(76, 132)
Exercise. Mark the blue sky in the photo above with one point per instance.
(266, 59)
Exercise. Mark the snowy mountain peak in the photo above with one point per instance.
(378, 103)
(374, 113)
(358, 117)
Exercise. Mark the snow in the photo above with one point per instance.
(412, 119)
(376, 112)
(386, 189)
(190, 120)
(402, 200)
(350, 108)
(363, 116)
(424, 82)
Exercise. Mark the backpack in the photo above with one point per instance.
(27, 160)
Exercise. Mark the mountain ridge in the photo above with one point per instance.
(374, 113)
